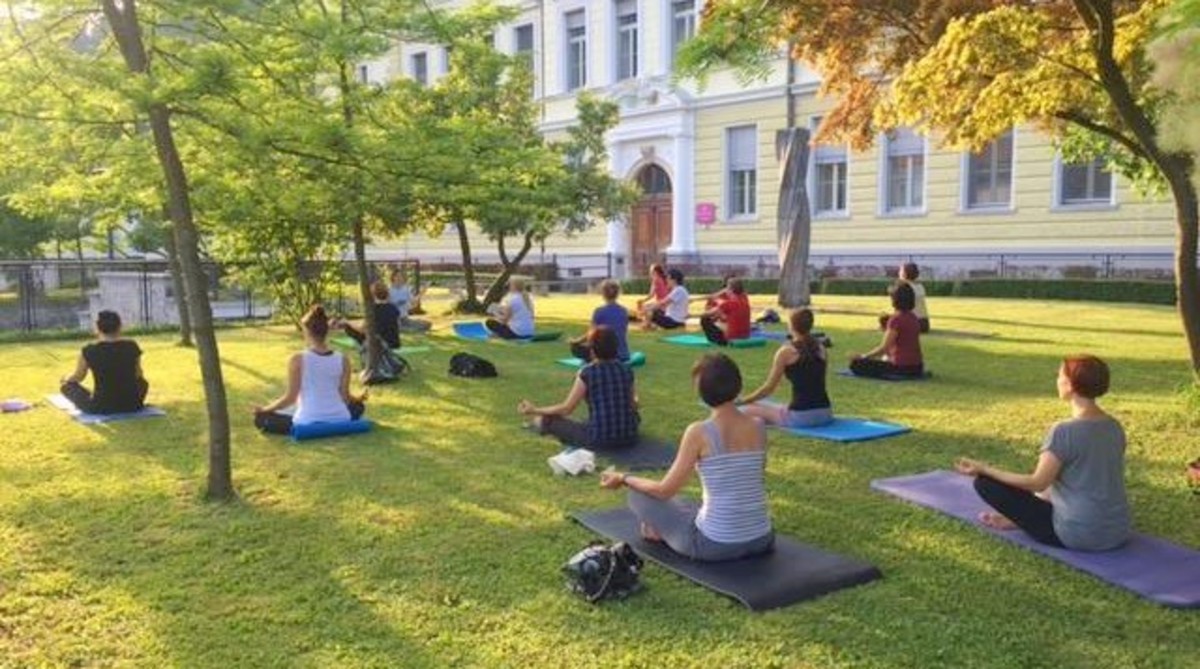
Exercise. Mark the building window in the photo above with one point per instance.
(523, 36)
(741, 146)
(627, 39)
(364, 74)
(990, 175)
(905, 172)
(828, 183)
(448, 55)
(419, 68)
(576, 61)
(683, 23)
(1084, 184)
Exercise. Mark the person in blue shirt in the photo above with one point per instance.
(610, 315)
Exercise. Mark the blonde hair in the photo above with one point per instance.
(517, 285)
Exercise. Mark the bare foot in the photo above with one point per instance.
(649, 534)
(996, 521)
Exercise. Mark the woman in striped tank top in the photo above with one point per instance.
(728, 452)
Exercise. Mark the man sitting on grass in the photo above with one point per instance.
(116, 367)
(610, 315)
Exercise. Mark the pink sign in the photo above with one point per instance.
(706, 213)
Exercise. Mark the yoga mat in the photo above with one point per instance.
(472, 330)
(773, 336)
(60, 402)
(648, 453)
(700, 341)
(349, 344)
(1156, 569)
(792, 573)
(636, 359)
(892, 378)
(333, 429)
(843, 429)
(549, 335)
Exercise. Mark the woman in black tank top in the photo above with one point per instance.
(803, 362)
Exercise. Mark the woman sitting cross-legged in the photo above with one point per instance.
(610, 315)
(728, 451)
(116, 367)
(899, 354)
(318, 384)
(1081, 466)
(803, 362)
(607, 385)
(671, 312)
(514, 318)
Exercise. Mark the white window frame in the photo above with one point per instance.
(814, 123)
(566, 50)
(516, 41)
(1057, 205)
(885, 179)
(727, 173)
(669, 38)
(965, 207)
(616, 30)
(412, 66)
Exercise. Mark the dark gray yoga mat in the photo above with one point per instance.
(792, 573)
(648, 453)
(1158, 570)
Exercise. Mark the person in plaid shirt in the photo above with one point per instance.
(608, 387)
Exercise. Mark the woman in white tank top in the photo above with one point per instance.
(318, 384)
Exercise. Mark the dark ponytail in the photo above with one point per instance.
(316, 322)
(801, 326)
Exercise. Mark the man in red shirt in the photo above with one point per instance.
(729, 319)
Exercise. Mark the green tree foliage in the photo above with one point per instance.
(21, 237)
(969, 70)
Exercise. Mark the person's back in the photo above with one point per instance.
(612, 417)
(520, 320)
(677, 309)
(614, 317)
(114, 366)
(387, 323)
(732, 476)
(905, 351)
(736, 310)
(321, 398)
(1091, 509)
(919, 309)
(807, 376)
(400, 296)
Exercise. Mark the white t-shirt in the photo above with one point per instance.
(400, 297)
(919, 310)
(321, 389)
(520, 317)
(677, 304)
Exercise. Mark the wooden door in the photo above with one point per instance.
(652, 228)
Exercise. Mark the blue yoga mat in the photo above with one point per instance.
(700, 341)
(60, 402)
(891, 377)
(773, 336)
(844, 430)
(334, 429)
(472, 330)
(636, 359)
(1156, 569)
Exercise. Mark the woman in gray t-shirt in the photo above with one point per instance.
(1075, 497)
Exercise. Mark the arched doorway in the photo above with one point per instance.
(652, 218)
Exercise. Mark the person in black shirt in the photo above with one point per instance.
(802, 361)
(387, 319)
(116, 367)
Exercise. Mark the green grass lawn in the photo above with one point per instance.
(436, 539)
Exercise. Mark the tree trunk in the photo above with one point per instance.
(1187, 278)
(177, 284)
(470, 304)
(364, 290)
(123, 21)
(795, 221)
(496, 290)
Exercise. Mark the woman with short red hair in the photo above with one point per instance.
(1075, 497)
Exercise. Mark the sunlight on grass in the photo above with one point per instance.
(436, 539)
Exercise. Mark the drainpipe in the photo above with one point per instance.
(542, 54)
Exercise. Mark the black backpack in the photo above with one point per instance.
(600, 571)
(471, 366)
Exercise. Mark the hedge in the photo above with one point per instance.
(1140, 292)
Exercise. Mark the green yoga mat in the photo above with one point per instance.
(636, 359)
(349, 344)
(700, 341)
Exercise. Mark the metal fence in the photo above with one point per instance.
(67, 294)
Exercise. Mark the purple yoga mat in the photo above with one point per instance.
(1158, 570)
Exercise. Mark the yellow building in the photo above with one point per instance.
(707, 161)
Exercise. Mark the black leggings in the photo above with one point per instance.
(582, 351)
(713, 331)
(659, 318)
(83, 400)
(273, 422)
(573, 433)
(501, 330)
(882, 368)
(1034, 515)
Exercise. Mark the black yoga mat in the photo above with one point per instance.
(648, 453)
(792, 573)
